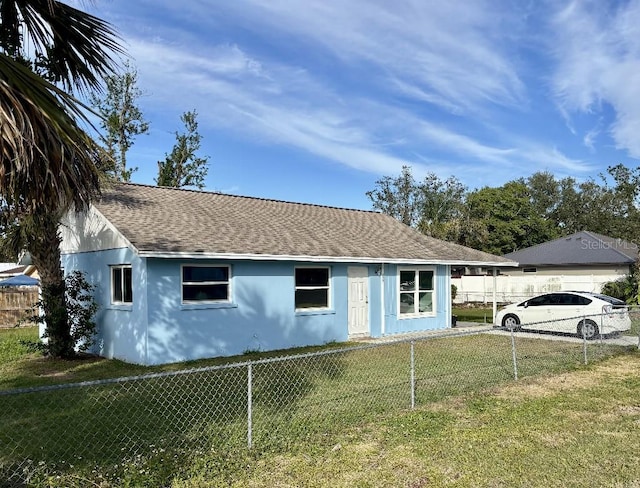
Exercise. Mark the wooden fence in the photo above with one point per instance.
(15, 304)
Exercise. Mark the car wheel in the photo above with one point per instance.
(511, 321)
(588, 329)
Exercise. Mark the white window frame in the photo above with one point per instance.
(196, 283)
(327, 287)
(121, 267)
(417, 291)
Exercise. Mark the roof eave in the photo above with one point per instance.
(318, 259)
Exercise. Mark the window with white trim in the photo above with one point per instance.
(121, 284)
(416, 292)
(206, 284)
(312, 290)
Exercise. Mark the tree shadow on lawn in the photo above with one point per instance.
(35, 370)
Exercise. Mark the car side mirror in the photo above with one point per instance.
(525, 304)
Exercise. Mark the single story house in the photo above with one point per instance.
(184, 274)
(583, 261)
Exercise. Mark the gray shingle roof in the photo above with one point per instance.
(166, 220)
(581, 248)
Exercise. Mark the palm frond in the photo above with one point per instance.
(78, 46)
(46, 158)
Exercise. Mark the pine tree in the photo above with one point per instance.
(183, 168)
(122, 121)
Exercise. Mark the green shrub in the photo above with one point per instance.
(81, 309)
(625, 288)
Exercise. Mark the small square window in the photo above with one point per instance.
(312, 288)
(121, 284)
(416, 292)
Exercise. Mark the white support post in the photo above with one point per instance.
(382, 304)
(495, 296)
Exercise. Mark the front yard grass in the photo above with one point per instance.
(574, 429)
(21, 368)
(335, 420)
(474, 314)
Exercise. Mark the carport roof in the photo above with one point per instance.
(19, 280)
(168, 222)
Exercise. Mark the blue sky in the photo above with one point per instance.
(315, 100)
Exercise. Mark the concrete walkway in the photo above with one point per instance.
(460, 328)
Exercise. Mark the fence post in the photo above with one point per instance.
(513, 354)
(413, 376)
(249, 406)
(584, 342)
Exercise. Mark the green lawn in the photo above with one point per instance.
(474, 314)
(20, 368)
(571, 430)
(341, 419)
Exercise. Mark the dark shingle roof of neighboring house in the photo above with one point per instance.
(581, 248)
(11, 269)
(166, 221)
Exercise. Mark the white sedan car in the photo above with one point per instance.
(586, 314)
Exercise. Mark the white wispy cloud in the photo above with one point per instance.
(363, 83)
(525, 153)
(279, 104)
(597, 47)
(590, 137)
(264, 104)
(452, 53)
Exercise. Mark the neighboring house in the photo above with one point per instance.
(186, 274)
(25, 266)
(583, 261)
(7, 270)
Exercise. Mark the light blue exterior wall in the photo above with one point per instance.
(158, 328)
(122, 329)
(261, 315)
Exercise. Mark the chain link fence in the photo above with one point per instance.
(170, 424)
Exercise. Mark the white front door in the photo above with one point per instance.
(358, 301)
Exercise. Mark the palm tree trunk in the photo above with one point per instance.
(44, 248)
